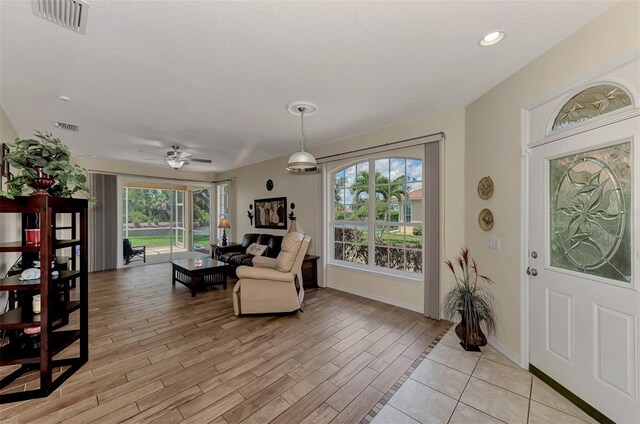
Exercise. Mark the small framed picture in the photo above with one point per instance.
(4, 164)
(271, 213)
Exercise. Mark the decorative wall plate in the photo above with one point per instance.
(485, 188)
(485, 219)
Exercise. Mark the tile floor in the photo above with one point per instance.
(454, 386)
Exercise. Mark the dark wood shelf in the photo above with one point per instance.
(14, 282)
(37, 204)
(58, 341)
(23, 317)
(17, 246)
(42, 211)
(62, 264)
(61, 244)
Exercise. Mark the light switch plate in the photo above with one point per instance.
(494, 244)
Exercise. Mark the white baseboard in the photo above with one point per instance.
(510, 354)
(372, 296)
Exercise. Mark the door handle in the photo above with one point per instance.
(532, 271)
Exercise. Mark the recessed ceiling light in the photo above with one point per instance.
(64, 98)
(492, 38)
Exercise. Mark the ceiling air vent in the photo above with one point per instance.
(70, 14)
(66, 126)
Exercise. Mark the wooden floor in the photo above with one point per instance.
(159, 355)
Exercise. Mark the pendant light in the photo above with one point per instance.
(302, 162)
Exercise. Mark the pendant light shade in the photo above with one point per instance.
(302, 162)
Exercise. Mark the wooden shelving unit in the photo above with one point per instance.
(56, 307)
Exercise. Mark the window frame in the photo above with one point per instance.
(221, 197)
(371, 222)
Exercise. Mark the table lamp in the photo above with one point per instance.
(224, 224)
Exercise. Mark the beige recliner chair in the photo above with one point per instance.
(273, 285)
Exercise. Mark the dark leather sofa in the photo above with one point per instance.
(237, 255)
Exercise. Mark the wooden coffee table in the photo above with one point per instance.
(211, 272)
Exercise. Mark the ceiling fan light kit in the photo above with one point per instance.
(176, 163)
(302, 162)
(176, 158)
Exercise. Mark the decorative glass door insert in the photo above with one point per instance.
(590, 212)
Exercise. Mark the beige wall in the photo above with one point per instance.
(493, 147)
(9, 223)
(135, 168)
(249, 184)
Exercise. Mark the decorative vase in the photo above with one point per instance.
(41, 183)
(470, 338)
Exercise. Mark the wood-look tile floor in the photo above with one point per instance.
(159, 355)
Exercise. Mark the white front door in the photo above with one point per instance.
(584, 265)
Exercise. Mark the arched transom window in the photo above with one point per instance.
(377, 214)
(589, 103)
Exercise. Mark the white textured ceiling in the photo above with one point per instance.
(216, 76)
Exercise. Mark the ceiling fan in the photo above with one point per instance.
(176, 158)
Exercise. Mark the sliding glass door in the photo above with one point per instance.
(178, 223)
(146, 219)
(201, 220)
(170, 220)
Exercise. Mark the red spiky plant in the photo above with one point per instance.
(469, 303)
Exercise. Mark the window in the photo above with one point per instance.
(377, 215)
(589, 103)
(407, 212)
(223, 204)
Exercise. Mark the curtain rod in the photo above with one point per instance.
(390, 145)
(95, 171)
(127, 174)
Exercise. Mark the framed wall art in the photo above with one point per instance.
(4, 164)
(5, 171)
(271, 213)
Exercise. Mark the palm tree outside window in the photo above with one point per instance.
(379, 230)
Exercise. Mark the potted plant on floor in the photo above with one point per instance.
(43, 164)
(469, 304)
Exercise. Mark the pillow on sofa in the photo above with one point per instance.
(288, 251)
(256, 249)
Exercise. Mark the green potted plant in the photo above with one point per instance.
(43, 164)
(469, 303)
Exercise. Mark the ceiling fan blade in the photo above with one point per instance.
(150, 153)
(158, 158)
(200, 160)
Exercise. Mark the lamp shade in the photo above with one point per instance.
(302, 162)
(224, 223)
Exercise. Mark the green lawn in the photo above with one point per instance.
(200, 240)
(396, 238)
